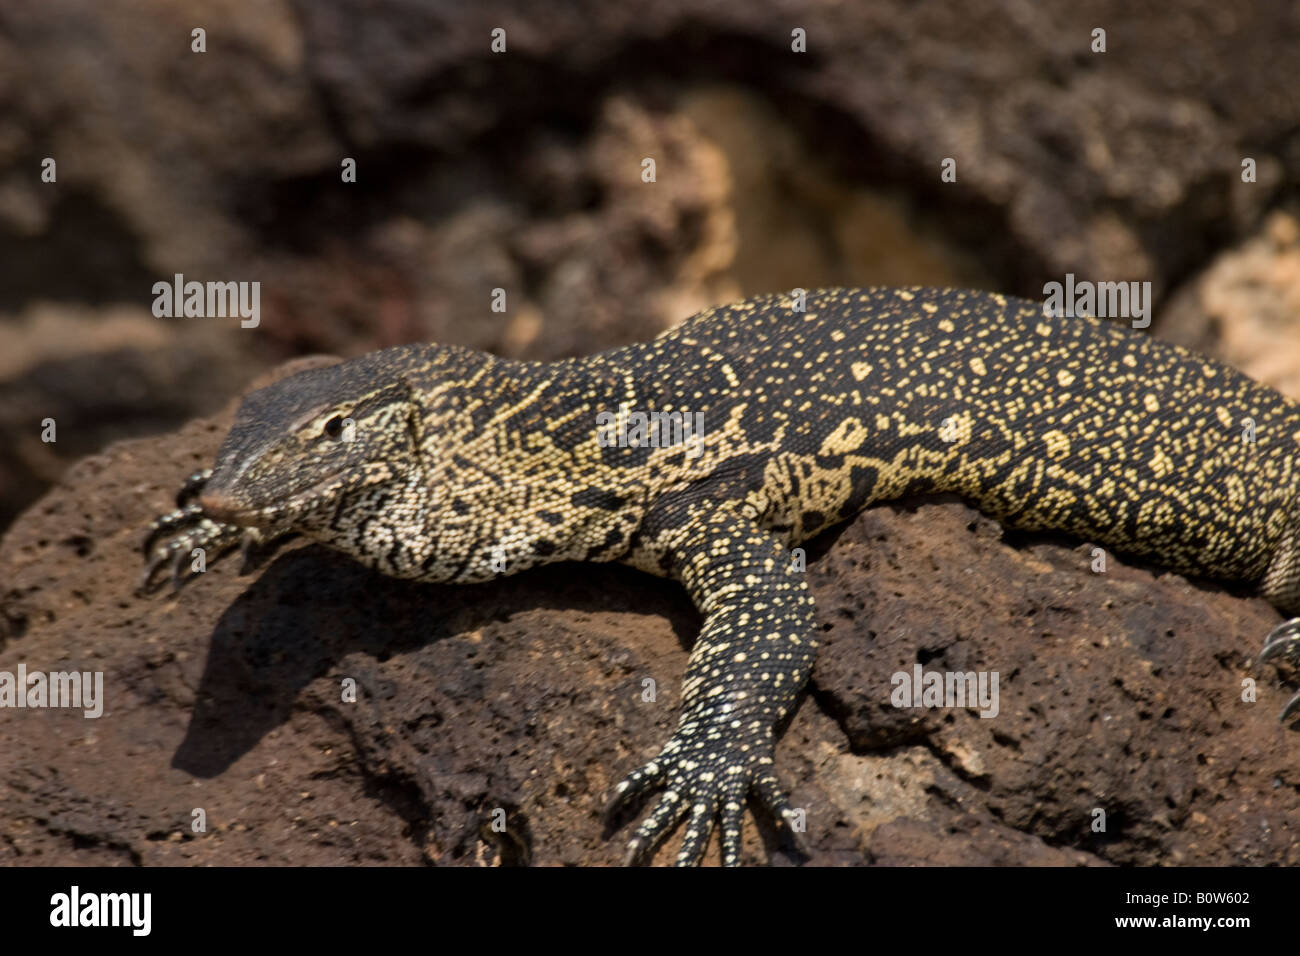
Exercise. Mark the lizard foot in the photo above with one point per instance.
(192, 530)
(1284, 641)
(186, 529)
(708, 783)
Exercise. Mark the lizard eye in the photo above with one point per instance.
(334, 427)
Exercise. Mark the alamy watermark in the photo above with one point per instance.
(75, 908)
(946, 689)
(1105, 300)
(78, 689)
(213, 300)
(636, 429)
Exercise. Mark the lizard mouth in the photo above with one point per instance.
(221, 507)
(304, 500)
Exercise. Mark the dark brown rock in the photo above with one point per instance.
(1119, 691)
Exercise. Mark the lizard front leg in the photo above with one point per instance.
(754, 653)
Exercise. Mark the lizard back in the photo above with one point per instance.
(1044, 422)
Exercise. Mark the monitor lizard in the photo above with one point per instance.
(440, 463)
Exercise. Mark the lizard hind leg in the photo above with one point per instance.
(1281, 587)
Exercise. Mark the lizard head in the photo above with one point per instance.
(429, 462)
(303, 448)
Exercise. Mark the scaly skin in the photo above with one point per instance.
(442, 464)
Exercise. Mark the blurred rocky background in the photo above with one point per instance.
(521, 170)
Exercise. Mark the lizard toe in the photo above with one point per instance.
(696, 838)
(629, 794)
(186, 516)
(662, 821)
(733, 811)
(192, 486)
(773, 800)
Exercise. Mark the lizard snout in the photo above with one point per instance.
(218, 506)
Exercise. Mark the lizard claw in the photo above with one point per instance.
(1291, 707)
(1284, 641)
(178, 569)
(706, 785)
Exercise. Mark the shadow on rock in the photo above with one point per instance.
(311, 607)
